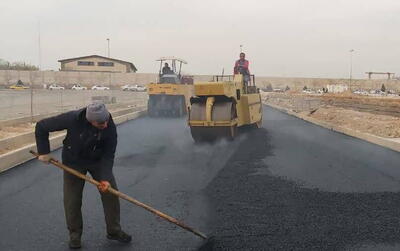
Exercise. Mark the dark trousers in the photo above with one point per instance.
(73, 188)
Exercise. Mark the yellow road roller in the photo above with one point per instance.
(220, 107)
(169, 97)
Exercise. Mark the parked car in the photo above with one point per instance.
(141, 88)
(128, 87)
(19, 86)
(78, 87)
(135, 88)
(56, 87)
(100, 88)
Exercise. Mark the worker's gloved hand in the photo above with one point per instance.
(45, 158)
(103, 186)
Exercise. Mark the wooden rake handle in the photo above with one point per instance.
(123, 196)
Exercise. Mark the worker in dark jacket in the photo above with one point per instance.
(166, 69)
(89, 146)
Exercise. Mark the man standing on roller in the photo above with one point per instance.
(88, 147)
(242, 67)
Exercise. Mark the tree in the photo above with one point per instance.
(18, 66)
(383, 88)
(305, 88)
(287, 88)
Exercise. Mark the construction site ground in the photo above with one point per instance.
(379, 116)
(20, 103)
(14, 130)
(274, 188)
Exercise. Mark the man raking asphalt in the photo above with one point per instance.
(89, 146)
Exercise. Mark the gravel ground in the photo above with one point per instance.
(284, 190)
(375, 115)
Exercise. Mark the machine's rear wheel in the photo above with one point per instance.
(180, 109)
(259, 124)
(150, 107)
(166, 106)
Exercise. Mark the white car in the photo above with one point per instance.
(128, 88)
(56, 87)
(99, 87)
(140, 88)
(78, 87)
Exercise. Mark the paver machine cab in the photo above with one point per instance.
(221, 106)
(169, 97)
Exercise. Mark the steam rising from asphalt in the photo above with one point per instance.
(171, 137)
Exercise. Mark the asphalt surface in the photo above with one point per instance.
(288, 186)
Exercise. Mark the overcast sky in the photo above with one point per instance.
(299, 38)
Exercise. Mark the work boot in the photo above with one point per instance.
(74, 242)
(120, 236)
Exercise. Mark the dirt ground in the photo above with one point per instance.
(14, 104)
(375, 115)
(18, 129)
(9, 131)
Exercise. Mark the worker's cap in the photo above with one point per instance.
(97, 112)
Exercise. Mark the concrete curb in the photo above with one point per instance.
(26, 138)
(393, 144)
(37, 117)
(21, 155)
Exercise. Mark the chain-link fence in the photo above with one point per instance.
(297, 103)
(17, 103)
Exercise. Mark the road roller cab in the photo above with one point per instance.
(170, 95)
(221, 106)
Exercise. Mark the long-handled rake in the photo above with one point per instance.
(124, 196)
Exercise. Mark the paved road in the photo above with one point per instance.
(289, 186)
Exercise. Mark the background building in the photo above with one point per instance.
(96, 63)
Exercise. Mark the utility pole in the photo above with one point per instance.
(351, 67)
(31, 96)
(39, 47)
(108, 46)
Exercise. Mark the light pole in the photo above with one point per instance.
(39, 48)
(351, 67)
(108, 46)
(241, 46)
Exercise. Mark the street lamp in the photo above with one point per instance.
(351, 67)
(108, 46)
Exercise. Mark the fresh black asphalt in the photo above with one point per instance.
(288, 186)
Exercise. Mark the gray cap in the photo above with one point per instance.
(97, 112)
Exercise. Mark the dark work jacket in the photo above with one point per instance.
(84, 143)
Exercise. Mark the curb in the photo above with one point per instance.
(21, 155)
(28, 137)
(37, 117)
(393, 144)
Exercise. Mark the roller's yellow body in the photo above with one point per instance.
(170, 95)
(219, 108)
